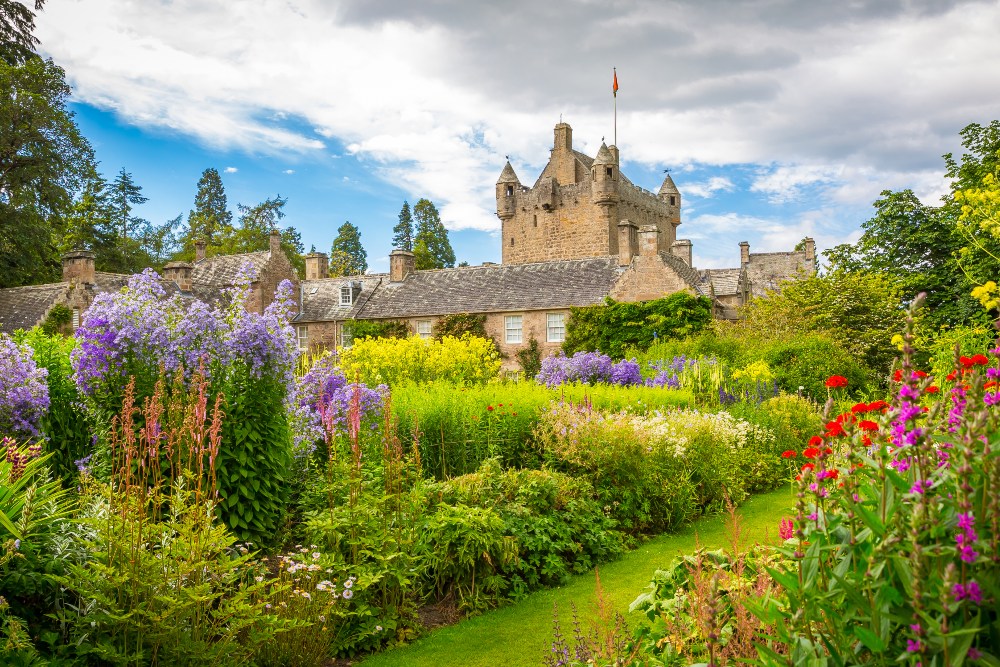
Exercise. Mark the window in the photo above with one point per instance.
(424, 328)
(76, 319)
(555, 327)
(511, 241)
(673, 200)
(512, 328)
(535, 220)
(346, 337)
(510, 190)
(346, 295)
(611, 171)
(303, 333)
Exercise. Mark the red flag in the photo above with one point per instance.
(614, 86)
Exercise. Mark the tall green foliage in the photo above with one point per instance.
(17, 23)
(253, 233)
(347, 256)
(210, 220)
(431, 245)
(614, 327)
(402, 233)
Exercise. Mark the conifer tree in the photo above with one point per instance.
(431, 245)
(348, 256)
(210, 219)
(402, 233)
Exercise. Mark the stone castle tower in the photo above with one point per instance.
(583, 207)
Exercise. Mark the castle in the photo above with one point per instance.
(580, 234)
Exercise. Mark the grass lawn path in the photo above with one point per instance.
(520, 634)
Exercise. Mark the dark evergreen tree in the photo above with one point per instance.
(210, 219)
(402, 233)
(348, 256)
(431, 245)
(17, 23)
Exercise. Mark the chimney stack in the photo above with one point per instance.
(275, 241)
(744, 253)
(810, 252)
(317, 266)
(401, 264)
(682, 248)
(180, 273)
(199, 250)
(78, 267)
(627, 242)
(649, 241)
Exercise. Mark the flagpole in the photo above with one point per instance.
(616, 103)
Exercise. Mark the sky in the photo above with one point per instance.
(778, 119)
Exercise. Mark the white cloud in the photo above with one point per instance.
(231, 170)
(433, 96)
(706, 189)
(288, 171)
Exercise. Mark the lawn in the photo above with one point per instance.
(520, 634)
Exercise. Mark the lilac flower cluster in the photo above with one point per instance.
(966, 537)
(138, 330)
(320, 405)
(24, 393)
(597, 368)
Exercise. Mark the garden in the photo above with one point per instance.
(180, 487)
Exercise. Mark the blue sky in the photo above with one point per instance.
(777, 118)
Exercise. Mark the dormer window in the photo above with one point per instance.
(346, 295)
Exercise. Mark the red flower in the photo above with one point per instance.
(966, 362)
(866, 441)
(844, 418)
(932, 390)
(788, 454)
(810, 452)
(835, 381)
(918, 374)
(980, 359)
(815, 441)
(867, 425)
(834, 429)
(898, 375)
(877, 405)
(808, 466)
(489, 408)
(951, 376)
(860, 408)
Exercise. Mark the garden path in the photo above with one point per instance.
(520, 635)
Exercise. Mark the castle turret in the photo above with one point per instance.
(604, 174)
(507, 187)
(671, 196)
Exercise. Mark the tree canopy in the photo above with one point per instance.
(402, 233)
(210, 220)
(431, 245)
(17, 25)
(348, 256)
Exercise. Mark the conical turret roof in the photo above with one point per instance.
(604, 155)
(508, 175)
(668, 187)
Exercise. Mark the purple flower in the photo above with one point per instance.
(24, 392)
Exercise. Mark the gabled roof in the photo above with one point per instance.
(24, 307)
(222, 270)
(668, 187)
(691, 276)
(321, 298)
(725, 282)
(491, 289)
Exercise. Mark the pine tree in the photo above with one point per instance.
(210, 219)
(437, 252)
(130, 230)
(402, 233)
(348, 256)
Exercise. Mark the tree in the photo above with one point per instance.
(17, 23)
(254, 231)
(88, 222)
(348, 256)
(43, 159)
(402, 233)
(431, 245)
(210, 220)
(124, 194)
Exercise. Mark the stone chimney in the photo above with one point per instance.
(649, 240)
(317, 266)
(180, 273)
(275, 241)
(628, 240)
(810, 248)
(199, 251)
(401, 264)
(682, 248)
(614, 151)
(78, 267)
(563, 159)
(744, 253)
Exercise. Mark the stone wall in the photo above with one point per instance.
(648, 278)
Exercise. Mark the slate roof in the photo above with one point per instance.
(223, 270)
(490, 289)
(725, 282)
(321, 298)
(690, 275)
(24, 307)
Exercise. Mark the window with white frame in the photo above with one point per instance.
(555, 327)
(512, 328)
(346, 295)
(424, 328)
(303, 333)
(346, 336)
(76, 319)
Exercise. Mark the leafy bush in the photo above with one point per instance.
(653, 472)
(361, 329)
(465, 360)
(807, 361)
(58, 318)
(530, 358)
(613, 328)
(460, 324)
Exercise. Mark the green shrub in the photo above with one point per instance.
(58, 317)
(460, 324)
(807, 361)
(361, 329)
(530, 358)
(613, 328)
